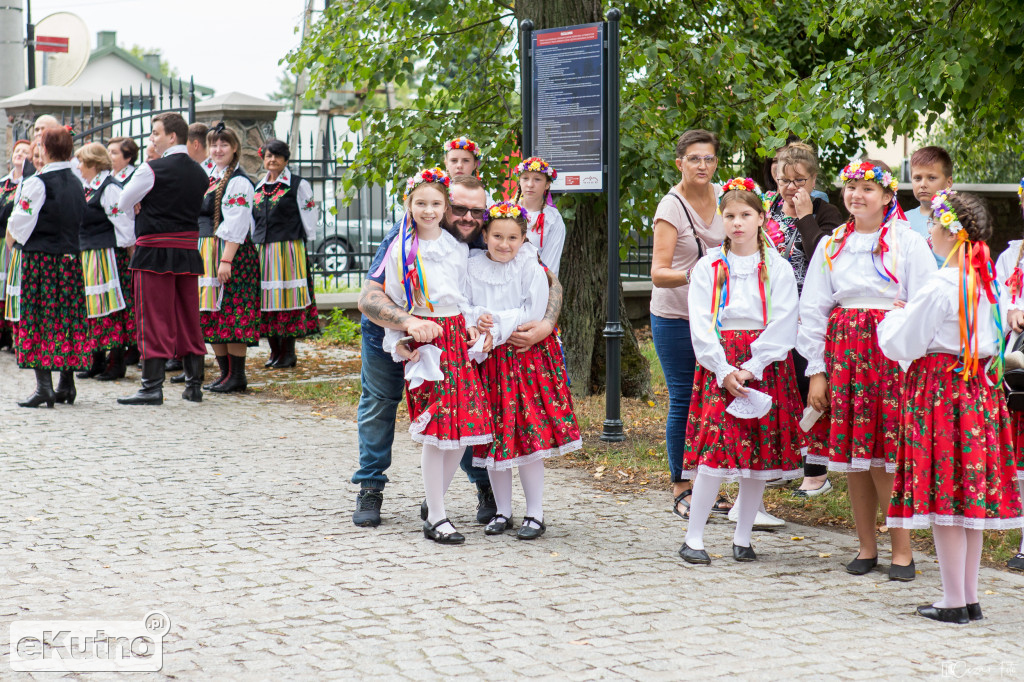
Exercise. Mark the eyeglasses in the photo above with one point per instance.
(799, 182)
(477, 213)
(695, 160)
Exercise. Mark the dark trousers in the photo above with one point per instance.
(167, 315)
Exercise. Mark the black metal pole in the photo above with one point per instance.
(30, 44)
(526, 78)
(613, 431)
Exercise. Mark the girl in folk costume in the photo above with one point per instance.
(425, 272)
(955, 467)
(743, 316)
(229, 290)
(547, 230)
(1010, 274)
(105, 236)
(45, 292)
(286, 217)
(854, 277)
(124, 152)
(529, 398)
(8, 188)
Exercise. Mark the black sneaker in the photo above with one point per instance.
(367, 511)
(486, 507)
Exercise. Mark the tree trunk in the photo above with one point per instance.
(584, 271)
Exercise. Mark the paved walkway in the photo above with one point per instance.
(233, 517)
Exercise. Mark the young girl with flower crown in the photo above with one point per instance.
(547, 229)
(855, 276)
(954, 467)
(743, 319)
(529, 397)
(1010, 274)
(425, 272)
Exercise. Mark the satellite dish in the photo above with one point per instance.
(62, 68)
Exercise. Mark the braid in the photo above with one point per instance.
(762, 246)
(221, 186)
(1020, 254)
(726, 247)
(973, 215)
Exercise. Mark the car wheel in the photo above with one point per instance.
(335, 256)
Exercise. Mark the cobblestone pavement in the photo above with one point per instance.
(233, 517)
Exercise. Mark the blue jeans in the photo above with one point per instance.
(678, 362)
(383, 381)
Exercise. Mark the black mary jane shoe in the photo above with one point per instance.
(903, 574)
(681, 499)
(528, 532)
(432, 533)
(694, 556)
(498, 525)
(958, 616)
(1016, 562)
(861, 566)
(743, 553)
(974, 611)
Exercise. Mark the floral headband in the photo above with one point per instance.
(743, 184)
(507, 209)
(942, 211)
(1020, 189)
(426, 175)
(463, 143)
(866, 171)
(537, 165)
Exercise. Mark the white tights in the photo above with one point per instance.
(438, 467)
(705, 492)
(532, 477)
(959, 551)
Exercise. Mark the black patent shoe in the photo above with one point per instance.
(958, 616)
(974, 611)
(1016, 562)
(694, 556)
(498, 525)
(528, 532)
(743, 553)
(432, 533)
(861, 566)
(904, 574)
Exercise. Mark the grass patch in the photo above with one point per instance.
(340, 330)
(334, 285)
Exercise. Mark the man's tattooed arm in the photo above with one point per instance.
(379, 307)
(554, 300)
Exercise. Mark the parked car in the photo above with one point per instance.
(343, 246)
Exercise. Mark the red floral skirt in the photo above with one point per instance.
(1017, 429)
(954, 465)
(531, 404)
(452, 413)
(238, 320)
(861, 427)
(719, 444)
(118, 328)
(53, 332)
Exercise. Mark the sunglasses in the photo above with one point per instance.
(477, 213)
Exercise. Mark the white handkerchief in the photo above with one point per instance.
(427, 368)
(754, 405)
(811, 415)
(476, 351)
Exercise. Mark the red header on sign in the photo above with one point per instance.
(51, 44)
(561, 37)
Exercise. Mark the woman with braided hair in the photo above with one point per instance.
(955, 468)
(229, 290)
(1010, 274)
(858, 273)
(743, 314)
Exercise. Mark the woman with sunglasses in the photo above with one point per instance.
(286, 217)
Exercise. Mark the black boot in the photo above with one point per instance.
(132, 356)
(115, 365)
(194, 370)
(275, 350)
(180, 378)
(287, 358)
(6, 338)
(224, 365)
(172, 365)
(97, 366)
(236, 376)
(66, 391)
(44, 391)
(152, 391)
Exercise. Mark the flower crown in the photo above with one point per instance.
(507, 209)
(943, 212)
(463, 143)
(425, 175)
(537, 165)
(744, 184)
(1020, 189)
(867, 171)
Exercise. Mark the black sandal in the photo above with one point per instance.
(681, 500)
(719, 508)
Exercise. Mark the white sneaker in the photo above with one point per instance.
(761, 521)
